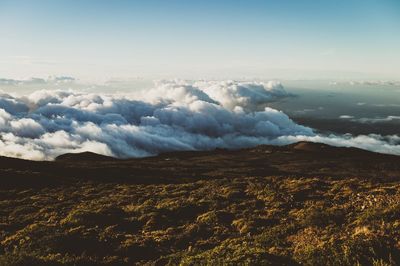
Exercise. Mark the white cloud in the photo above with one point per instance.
(172, 116)
(60, 79)
(4, 118)
(367, 82)
(38, 81)
(26, 127)
(248, 95)
(389, 118)
(369, 120)
(346, 117)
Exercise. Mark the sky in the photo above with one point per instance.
(287, 39)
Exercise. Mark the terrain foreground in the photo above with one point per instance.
(305, 203)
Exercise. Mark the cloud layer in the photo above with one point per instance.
(173, 116)
(37, 81)
(368, 82)
(367, 120)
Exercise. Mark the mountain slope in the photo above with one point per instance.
(304, 203)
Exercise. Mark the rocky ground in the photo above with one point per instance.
(307, 204)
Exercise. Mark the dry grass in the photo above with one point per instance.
(237, 221)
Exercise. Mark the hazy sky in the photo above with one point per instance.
(282, 39)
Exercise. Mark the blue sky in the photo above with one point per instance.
(200, 39)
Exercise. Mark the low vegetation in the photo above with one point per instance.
(247, 220)
(257, 221)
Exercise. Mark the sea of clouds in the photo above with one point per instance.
(172, 116)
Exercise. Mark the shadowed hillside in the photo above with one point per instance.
(303, 203)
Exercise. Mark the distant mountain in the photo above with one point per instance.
(84, 156)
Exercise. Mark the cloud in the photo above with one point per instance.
(8, 81)
(247, 95)
(12, 105)
(38, 81)
(173, 116)
(390, 118)
(26, 127)
(367, 120)
(346, 117)
(386, 105)
(175, 91)
(379, 104)
(367, 83)
(31, 81)
(61, 79)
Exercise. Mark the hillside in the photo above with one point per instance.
(304, 203)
